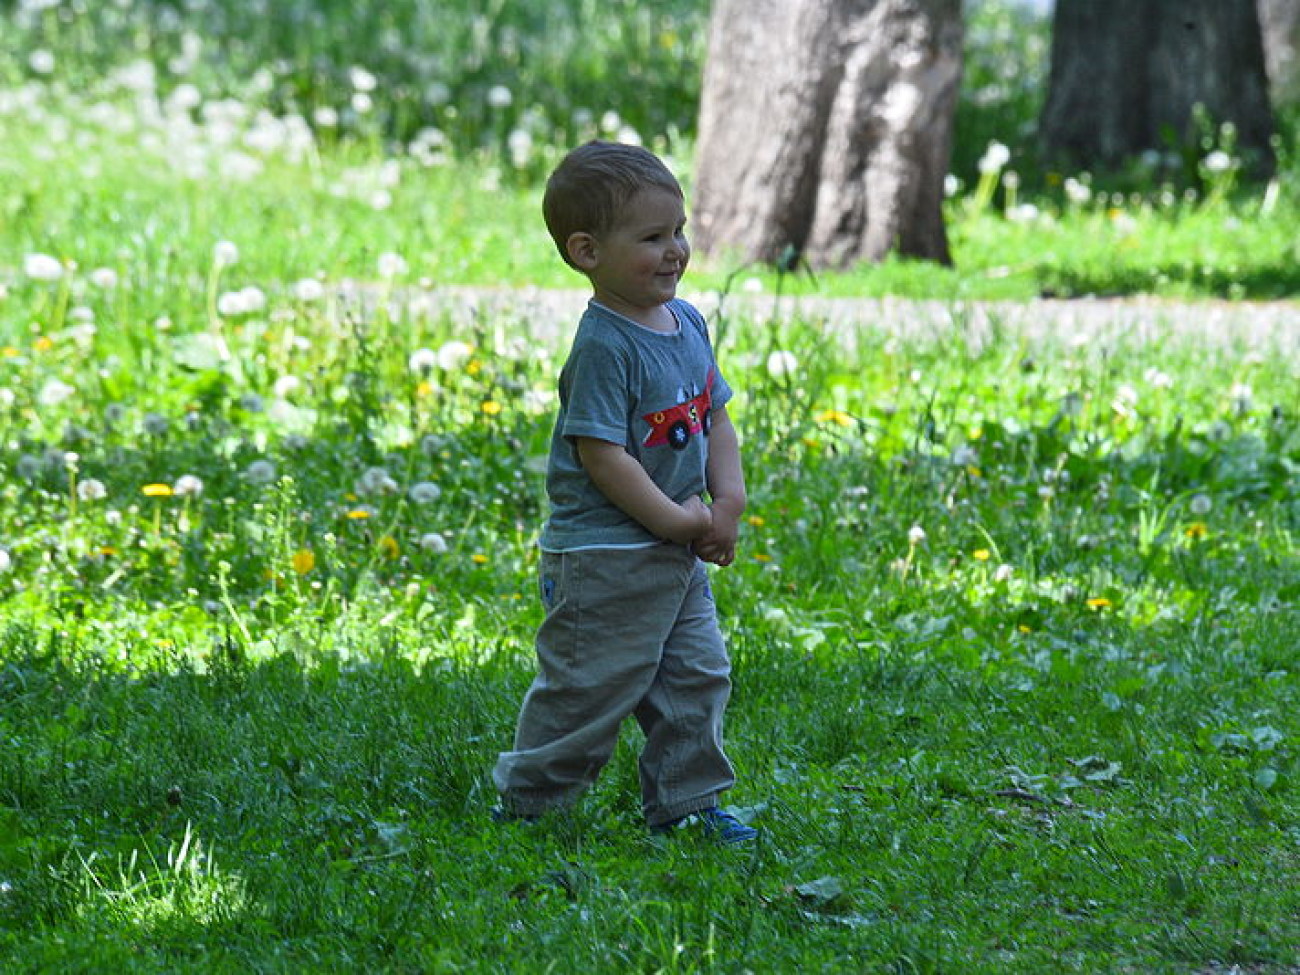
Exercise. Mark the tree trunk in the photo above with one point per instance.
(1128, 75)
(1280, 22)
(826, 129)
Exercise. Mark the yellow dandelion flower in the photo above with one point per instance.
(1196, 530)
(975, 433)
(838, 417)
(756, 521)
(1099, 602)
(762, 557)
(974, 471)
(157, 490)
(424, 389)
(303, 561)
(44, 343)
(358, 514)
(388, 547)
(474, 367)
(981, 554)
(1024, 629)
(9, 352)
(491, 407)
(812, 443)
(107, 551)
(478, 558)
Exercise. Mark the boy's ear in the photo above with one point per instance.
(581, 248)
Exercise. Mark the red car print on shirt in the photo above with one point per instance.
(675, 425)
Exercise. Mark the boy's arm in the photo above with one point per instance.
(726, 482)
(629, 488)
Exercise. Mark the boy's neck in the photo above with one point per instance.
(657, 318)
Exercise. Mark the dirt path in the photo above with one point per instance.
(1267, 327)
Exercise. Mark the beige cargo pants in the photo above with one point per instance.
(627, 632)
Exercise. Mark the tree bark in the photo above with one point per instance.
(1129, 75)
(826, 129)
(1280, 23)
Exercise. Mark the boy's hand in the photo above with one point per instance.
(718, 545)
(697, 521)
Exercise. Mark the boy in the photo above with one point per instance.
(642, 432)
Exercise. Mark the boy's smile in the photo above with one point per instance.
(634, 267)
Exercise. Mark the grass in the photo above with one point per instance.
(1013, 627)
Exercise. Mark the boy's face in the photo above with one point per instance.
(635, 266)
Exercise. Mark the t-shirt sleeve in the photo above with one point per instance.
(597, 385)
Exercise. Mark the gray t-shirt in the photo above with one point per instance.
(650, 392)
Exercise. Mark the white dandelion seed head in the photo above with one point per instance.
(454, 354)
(286, 386)
(155, 424)
(188, 486)
(225, 253)
(41, 61)
(915, 535)
(1201, 504)
(433, 543)
(308, 289)
(252, 403)
(995, 157)
(499, 96)
(375, 480)
(91, 489)
(103, 277)
(392, 265)
(424, 492)
(260, 472)
(422, 361)
(42, 267)
(6, 560)
(781, 363)
(54, 392)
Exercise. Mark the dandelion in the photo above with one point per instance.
(915, 536)
(54, 392)
(286, 386)
(1099, 602)
(188, 486)
(755, 521)
(42, 267)
(260, 472)
(6, 560)
(1077, 191)
(392, 265)
(375, 480)
(388, 547)
(157, 490)
(362, 80)
(91, 489)
(224, 253)
(454, 354)
(154, 424)
(491, 407)
(433, 543)
(303, 561)
(499, 96)
(1201, 504)
(1002, 573)
(995, 157)
(478, 558)
(422, 361)
(308, 290)
(981, 555)
(104, 277)
(1197, 530)
(781, 363)
(357, 514)
(424, 492)
(837, 417)
(41, 61)
(1217, 162)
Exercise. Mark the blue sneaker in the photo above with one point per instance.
(716, 824)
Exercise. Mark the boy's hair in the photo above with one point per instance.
(593, 183)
